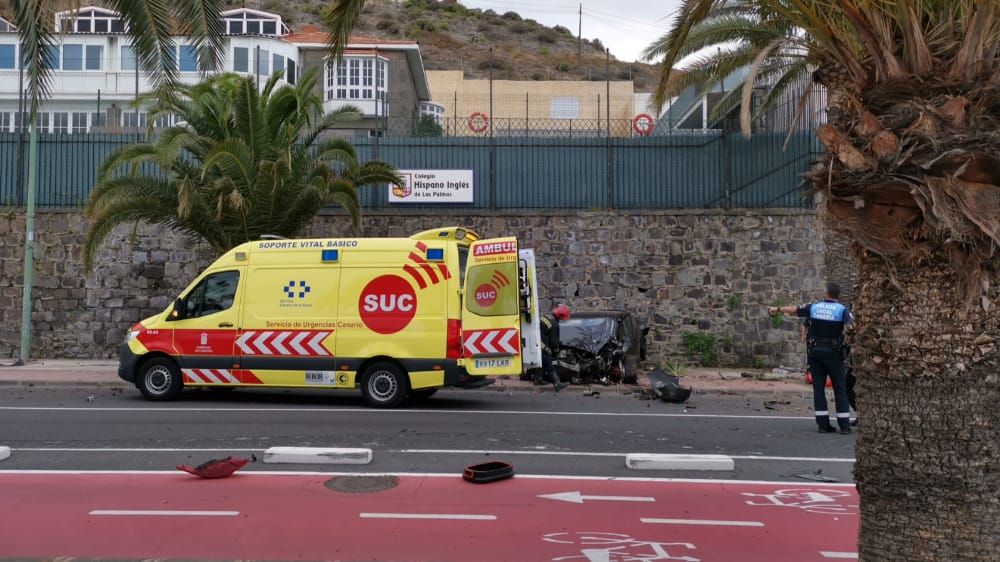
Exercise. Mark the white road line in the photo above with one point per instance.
(413, 452)
(400, 411)
(596, 454)
(840, 555)
(457, 516)
(702, 522)
(720, 481)
(165, 512)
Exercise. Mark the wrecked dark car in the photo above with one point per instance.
(603, 347)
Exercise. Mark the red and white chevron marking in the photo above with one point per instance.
(209, 376)
(283, 342)
(482, 342)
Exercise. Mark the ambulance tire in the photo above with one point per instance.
(423, 393)
(385, 385)
(160, 380)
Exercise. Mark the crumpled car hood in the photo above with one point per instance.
(591, 338)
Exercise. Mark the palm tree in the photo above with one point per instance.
(239, 164)
(911, 174)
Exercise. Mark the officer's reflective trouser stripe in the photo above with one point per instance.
(823, 364)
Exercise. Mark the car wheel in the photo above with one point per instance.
(384, 385)
(630, 372)
(160, 380)
(423, 393)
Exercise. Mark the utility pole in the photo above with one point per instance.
(579, 36)
(29, 241)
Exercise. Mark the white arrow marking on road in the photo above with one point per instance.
(276, 344)
(164, 512)
(577, 497)
(315, 346)
(297, 341)
(702, 522)
(470, 343)
(261, 343)
(241, 343)
(460, 516)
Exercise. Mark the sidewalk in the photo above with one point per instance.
(104, 373)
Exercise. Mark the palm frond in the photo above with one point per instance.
(340, 20)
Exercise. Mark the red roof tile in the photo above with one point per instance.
(312, 34)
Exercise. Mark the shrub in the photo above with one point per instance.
(520, 28)
(544, 51)
(563, 30)
(547, 36)
(700, 347)
(427, 127)
(513, 16)
(563, 67)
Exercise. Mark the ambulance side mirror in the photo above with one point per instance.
(180, 309)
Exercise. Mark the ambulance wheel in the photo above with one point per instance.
(384, 385)
(160, 380)
(423, 393)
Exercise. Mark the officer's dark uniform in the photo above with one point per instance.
(825, 339)
(550, 349)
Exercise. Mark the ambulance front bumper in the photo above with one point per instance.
(127, 361)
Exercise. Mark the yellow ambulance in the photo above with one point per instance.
(397, 317)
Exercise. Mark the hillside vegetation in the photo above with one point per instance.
(454, 37)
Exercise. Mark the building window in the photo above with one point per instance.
(269, 27)
(79, 122)
(6, 122)
(234, 27)
(98, 120)
(564, 108)
(8, 57)
(253, 28)
(356, 79)
(132, 120)
(94, 55)
(50, 57)
(241, 59)
(72, 57)
(278, 63)
(128, 58)
(60, 122)
(189, 58)
(6, 26)
(290, 73)
(263, 62)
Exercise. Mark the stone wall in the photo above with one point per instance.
(679, 271)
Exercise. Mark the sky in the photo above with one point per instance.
(626, 27)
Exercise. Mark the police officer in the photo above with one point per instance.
(550, 346)
(825, 341)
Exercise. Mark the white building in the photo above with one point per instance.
(96, 78)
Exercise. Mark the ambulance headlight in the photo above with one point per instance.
(131, 335)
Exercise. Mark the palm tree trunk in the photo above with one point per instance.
(928, 467)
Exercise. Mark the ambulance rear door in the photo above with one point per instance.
(491, 319)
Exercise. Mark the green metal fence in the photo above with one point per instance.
(698, 170)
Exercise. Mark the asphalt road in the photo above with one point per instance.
(540, 432)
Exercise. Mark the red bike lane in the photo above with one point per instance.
(429, 517)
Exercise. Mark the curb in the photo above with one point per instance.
(647, 461)
(794, 391)
(317, 455)
(4, 453)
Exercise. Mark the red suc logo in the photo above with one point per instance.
(486, 295)
(387, 304)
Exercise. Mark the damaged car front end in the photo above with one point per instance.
(600, 347)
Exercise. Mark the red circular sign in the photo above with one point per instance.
(486, 295)
(643, 124)
(387, 304)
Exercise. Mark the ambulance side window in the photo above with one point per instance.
(214, 294)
